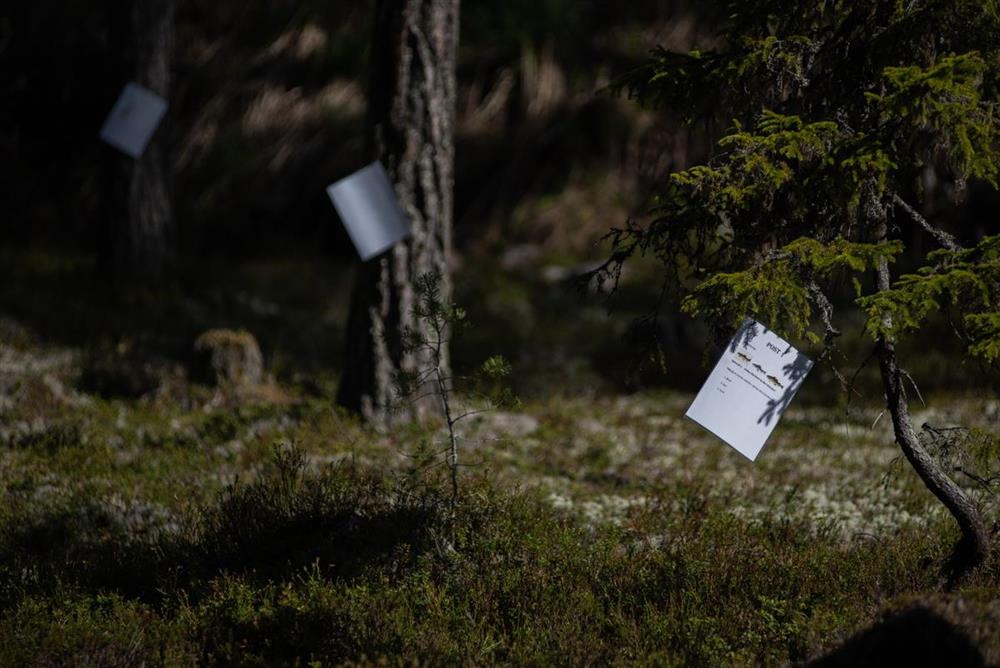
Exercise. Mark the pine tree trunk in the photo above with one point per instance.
(411, 118)
(973, 549)
(140, 240)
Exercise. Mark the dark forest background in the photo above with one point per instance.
(267, 108)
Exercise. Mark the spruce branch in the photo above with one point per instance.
(946, 240)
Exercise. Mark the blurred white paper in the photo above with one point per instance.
(371, 213)
(750, 388)
(133, 120)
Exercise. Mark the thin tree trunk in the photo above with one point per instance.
(411, 118)
(140, 240)
(973, 549)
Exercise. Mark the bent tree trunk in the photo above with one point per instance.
(140, 239)
(973, 548)
(411, 112)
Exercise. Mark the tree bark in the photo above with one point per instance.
(140, 243)
(973, 549)
(411, 116)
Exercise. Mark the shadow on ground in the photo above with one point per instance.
(344, 524)
(914, 637)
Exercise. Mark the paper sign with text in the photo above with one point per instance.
(370, 210)
(133, 120)
(749, 389)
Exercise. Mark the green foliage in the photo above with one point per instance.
(757, 165)
(984, 329)
(776, 289)
(945, 100)
(967, 281)
(769, 291)
(836, 108)
(496, 368)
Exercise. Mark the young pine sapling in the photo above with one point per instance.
(481, 391)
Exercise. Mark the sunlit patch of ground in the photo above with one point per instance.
(598, 459)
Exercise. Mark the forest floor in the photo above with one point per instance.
(191, 525)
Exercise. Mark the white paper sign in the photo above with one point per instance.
(133, 120)
(371, 213)
(751, 386)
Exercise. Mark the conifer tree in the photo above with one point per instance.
(834, 110)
